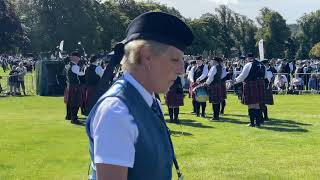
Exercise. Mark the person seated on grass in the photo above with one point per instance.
(297, 83)
(280, 82)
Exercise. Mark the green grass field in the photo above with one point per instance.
(37, 143)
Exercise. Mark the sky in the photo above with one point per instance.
(291, 10)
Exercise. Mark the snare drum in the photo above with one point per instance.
(201, 94)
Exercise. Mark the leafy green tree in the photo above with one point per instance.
(207, 35)
(290, 48)
(309, 27)
(12, 33)
(315, 51)
(274, 31)
(244, 33)
(227, 21)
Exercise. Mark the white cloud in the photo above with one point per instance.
(225, 2)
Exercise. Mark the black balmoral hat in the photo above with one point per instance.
(250, 55)
(199, 58)
(156, 26)
(75, 53)
(160, 27)
(218, 59)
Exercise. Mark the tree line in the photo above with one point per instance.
(39, 26)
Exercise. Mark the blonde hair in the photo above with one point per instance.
(131, 58)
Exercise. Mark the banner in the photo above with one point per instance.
(61, 48)
(261, 50)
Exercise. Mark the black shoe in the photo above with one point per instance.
(215, 118)
(203, 115)
(67, 118)
(198, 115)
(75, 122)
(222, 112)
(251, 125)
(177, 121)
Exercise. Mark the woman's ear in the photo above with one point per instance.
(145, 56)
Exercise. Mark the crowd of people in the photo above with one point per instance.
(290, 76)
(17, 67)
(129, 115)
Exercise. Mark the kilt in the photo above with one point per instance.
(90, 92)
(174, 99)
(224, 90)
(253, 92)
(216, 93)
(83, 95)
(268, 98)
(72, 95)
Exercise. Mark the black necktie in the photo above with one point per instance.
(156, 108)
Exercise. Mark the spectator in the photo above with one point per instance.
(313, 83)
(297, 83)
(280, 82)
(307, 70)
(13, 80)
(22, 70)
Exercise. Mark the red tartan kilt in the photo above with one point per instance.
(83, 94)
(216, 93)
(268, 98)
(253, 92)
(90, 91)
(173, 99)
(72, 95)
(224, 90)
(192, 93)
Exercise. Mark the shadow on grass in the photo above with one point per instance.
(284, 125)
(279, 125)
(273, 121)
(192, 123)
(280, 129)
(229, 120)
(180, 133)
(187, 113)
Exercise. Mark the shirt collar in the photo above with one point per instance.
(144, 93)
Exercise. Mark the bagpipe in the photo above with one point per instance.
(106, 80)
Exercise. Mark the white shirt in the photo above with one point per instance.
(203, 75)
(291, 67)
(188, 68)
(99, 71)
(269, 76)
(278, 67)
(76, 69)
(22, 70)
(211, 74)
(113, 131)
(245, 72)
